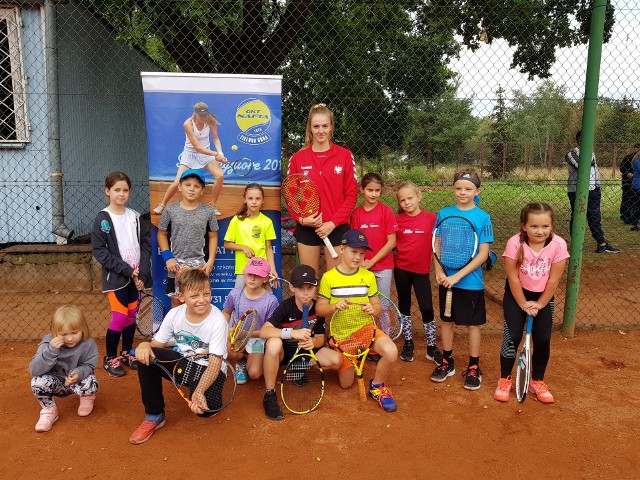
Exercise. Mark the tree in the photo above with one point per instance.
(499, 135)
(439, 128)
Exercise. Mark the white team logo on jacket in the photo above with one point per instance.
(337, 169)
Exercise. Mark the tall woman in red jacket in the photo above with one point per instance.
(333, 170)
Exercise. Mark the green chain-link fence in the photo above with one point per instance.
(418, 88)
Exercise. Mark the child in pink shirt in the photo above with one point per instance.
(535, 259)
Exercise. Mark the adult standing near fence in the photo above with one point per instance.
(626, 169)
(333, 170)
(594, 217)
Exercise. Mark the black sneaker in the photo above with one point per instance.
(606, 248)
(473, 377)
(635, 228)
(407, 351)
(373, 357)
(444, 370)
(129, 360)
(112, 366)
(434, 354)
(271, 408)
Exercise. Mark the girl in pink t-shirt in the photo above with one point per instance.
(535, 260)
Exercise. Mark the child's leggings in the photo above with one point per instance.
(514, 322)
(47, 386)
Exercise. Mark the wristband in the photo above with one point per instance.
(166, 255)
(286, 334)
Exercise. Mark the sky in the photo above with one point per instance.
(482, 71)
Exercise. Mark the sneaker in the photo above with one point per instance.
(129, 360)
(473, 377)
(48, 417)
(502, 390)
(606, 248)
(635, 228)
(383, 396)
(86, 405)
(216, 211)
(407, 351)
(112, 366)
(541, 390)
(271, 408)
(444, 370)
(373, 357)
(434, 354)
(150, 424)
(241, 373)
(159, 209)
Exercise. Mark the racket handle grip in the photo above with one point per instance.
(447, 303)
(332, 250)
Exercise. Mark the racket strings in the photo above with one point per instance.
(190, 372)
(456, 243)
(302, 384)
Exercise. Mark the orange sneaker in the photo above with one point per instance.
(502, 390)
(150, 424)
(541, 390)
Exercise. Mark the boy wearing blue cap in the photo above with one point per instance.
(349, 283)
(190, 222)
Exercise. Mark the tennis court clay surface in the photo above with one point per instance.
(439, 429)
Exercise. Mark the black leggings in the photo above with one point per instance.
(514, 323)
(422, 288)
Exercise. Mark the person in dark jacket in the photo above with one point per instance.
(121, 243)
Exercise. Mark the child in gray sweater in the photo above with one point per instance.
(64, 364)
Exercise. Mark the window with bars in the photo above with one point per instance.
(14, 125)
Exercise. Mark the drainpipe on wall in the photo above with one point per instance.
(58, 227)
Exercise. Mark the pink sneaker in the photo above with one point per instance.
(48, 417)
(541, 390)
(86, 405)
(502, 390)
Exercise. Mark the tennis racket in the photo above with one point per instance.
(302, 385)
(281, 287)
(241, 166)
(353, 334)
(455, 243)
(303, 198)
(191, 373)
(390, 320)
(240, 332)
(523, 371)
(149, 314)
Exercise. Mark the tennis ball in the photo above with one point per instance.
(234, 147)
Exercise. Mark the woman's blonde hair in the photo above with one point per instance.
(211, 118)
(322, 109)
(71, 317)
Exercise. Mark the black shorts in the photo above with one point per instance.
(290, 351)
(308, 235)
(467, 307)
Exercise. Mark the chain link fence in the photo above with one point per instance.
(418, 88)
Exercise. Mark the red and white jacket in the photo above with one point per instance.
(334, 173)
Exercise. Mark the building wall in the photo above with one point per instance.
(25, 196)
(102, 126)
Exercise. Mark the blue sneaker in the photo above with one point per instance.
(241, 373)
(383, 396)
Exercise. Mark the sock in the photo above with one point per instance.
(270, 392)
(112, 341)
(448, 355)
(430, 332)
(128, 333)
(473, 360)
(407, 327)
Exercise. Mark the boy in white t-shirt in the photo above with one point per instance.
(197, 327)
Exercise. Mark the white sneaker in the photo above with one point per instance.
(159, 209)
(48, 417)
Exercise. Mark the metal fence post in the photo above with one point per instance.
(586, 149)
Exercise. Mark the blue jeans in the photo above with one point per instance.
(594, 218)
